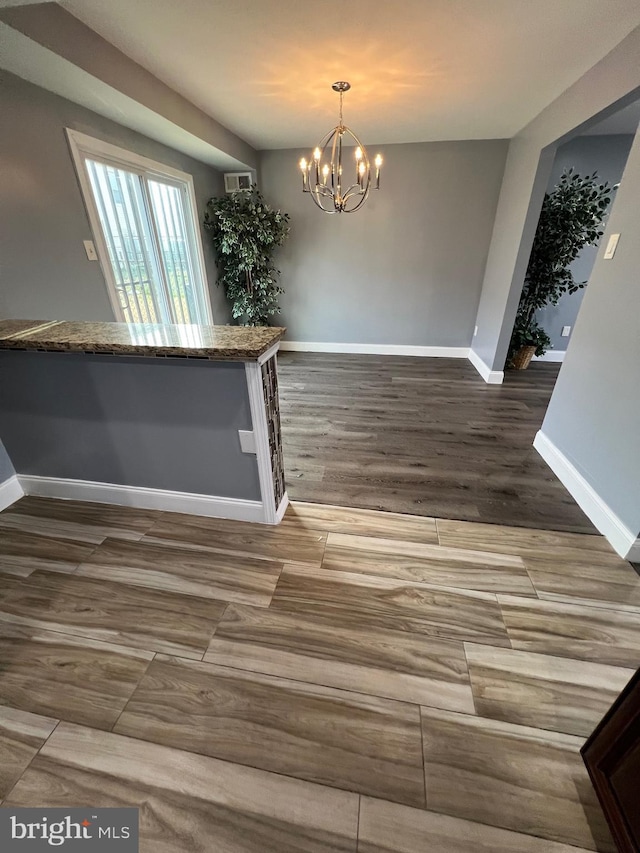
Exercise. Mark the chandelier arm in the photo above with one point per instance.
(320, 146)
(349, 195)
(365, 155)
(332, 192)
(352, 134)
(340, 163)
(354, 189)
(336, 137)
(366, 185)
(365, 196)
(318, 205)
(327, 137)
(315, 196)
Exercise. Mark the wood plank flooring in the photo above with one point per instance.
(396, 664)
(21, 736)
(188, 802)
(511, 776)
(352, 680)
(117, 613)
(184, 569)
(424, 436)
(348, 740)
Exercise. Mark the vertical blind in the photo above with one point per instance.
(149, 233)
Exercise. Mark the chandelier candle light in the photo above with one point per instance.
(322, 174)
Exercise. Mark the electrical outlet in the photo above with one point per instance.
(247, 441)
(90, 249)
(566, 331)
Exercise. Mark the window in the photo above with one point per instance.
(144, 222)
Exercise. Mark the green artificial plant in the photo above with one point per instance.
(572, 216)
(246, 232)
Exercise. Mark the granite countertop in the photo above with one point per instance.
(218, 343)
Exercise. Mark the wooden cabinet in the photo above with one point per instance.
(612, 757)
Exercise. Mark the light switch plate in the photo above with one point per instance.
(611, 247)
(566, 331)
(90, 249)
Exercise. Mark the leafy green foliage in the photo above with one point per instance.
(572, 217)
(245, 233)
(532, 335)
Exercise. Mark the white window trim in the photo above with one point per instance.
(81, 146)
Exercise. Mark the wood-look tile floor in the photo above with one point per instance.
(424, 436)
(349, 681)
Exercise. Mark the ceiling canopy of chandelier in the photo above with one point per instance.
(336, 184)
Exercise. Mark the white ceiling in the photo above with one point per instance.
(32, 62)
(420, 69)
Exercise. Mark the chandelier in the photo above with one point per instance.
(335, 185)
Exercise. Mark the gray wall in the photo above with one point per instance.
(44, 272)
(64, 35)
(606, 155)
(158, 423)
(594, 414)
(408, 267)
(612, 83)
(6, 467)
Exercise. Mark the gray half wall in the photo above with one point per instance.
(44, 272)
(594, 414)
(6, 466)
(149, 422)
(405, 269)
(606, 155)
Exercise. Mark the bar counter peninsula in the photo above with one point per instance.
(174, 417)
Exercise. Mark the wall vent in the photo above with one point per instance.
(237, 182)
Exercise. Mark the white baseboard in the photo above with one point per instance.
(634, 552)
(375, 349)
(143, 498)
(10, 492)
(551, 355)
(284, 503)
(491, 377)
(621, 539)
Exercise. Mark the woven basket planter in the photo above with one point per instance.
(522, 359)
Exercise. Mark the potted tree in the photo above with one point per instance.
(572, 217)
(245, 233)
